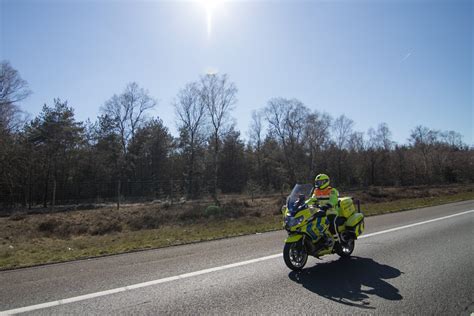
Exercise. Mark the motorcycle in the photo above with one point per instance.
(306, 225)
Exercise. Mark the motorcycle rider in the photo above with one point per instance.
(326, 198)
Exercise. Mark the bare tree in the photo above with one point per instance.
(422, 135)
(128, 111)
(13, 89)
(342, 130)
(422, 139)
(356, 146)
(256, 139)
(356, 142)
(381, 138)
(218, 94)
(316, 136)
(256, 130)
(452, 138)
(190, 120)
(286, 119)
(379, 146)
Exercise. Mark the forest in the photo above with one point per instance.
(126, 154)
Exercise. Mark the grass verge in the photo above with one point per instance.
(34, 249)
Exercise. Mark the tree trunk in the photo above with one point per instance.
(214, 185)
(53, 201)
(118, 194)
(45, 192)
(191, 175)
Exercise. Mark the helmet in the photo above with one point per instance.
(321, 181)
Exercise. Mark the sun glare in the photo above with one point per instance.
(210, 7)
(210, 4)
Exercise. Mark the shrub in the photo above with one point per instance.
(78, 229)
(5, 254)
(213, 210)
(280, 201)
(193, 213)
(233, 209)
(278, 211)
(377, 192)
(232, 212)
(17, 216)
(65, 229)
(48, 226)
(107, 227)
(253, 189)
(145, 221)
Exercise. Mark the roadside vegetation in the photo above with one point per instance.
(122, 181)
(128, 154)
(32, 237)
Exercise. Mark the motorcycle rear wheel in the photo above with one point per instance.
(345, 250)
(295, 256)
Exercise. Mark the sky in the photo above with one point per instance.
(405, 63)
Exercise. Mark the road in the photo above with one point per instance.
(424, 265)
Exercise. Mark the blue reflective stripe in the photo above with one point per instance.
(311, 232)
(318, 225)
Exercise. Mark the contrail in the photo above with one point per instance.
(406, 57)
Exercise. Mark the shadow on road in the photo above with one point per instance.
(341, 281)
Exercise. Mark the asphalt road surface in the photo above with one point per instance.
(413, 262)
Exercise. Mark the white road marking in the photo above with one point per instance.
(192, 274)
(414, 224)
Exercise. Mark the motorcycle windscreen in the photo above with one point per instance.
(299, 190)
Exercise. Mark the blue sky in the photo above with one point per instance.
(396, 61)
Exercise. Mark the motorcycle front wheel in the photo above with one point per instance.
(345, 249)
(295, 256)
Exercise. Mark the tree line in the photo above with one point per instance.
(128, 153)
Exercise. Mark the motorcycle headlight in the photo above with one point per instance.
(292, 221)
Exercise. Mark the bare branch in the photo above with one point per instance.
(342, 128)
(13, 89)
(128, 111)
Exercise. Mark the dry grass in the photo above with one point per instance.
(29, 239)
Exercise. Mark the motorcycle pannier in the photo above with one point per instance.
(346, 207)
(355, 223)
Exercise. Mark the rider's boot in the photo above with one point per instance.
(326, 241)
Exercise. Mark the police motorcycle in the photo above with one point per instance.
(306, 224)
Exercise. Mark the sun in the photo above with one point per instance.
(210, 6)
